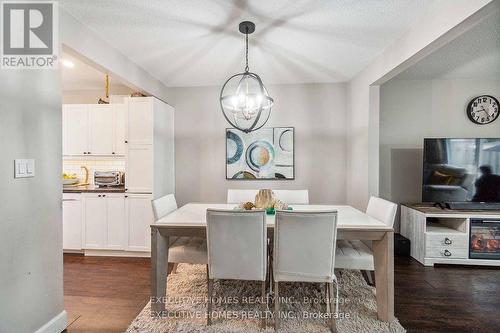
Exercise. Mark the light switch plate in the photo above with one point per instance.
(24, 168)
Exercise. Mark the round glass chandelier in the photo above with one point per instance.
(244, 99)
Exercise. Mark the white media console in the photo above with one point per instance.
(442, 236)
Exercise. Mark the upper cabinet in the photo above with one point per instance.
(75, 129)
(149, 156)
(140, 120)
(94, 129)
(101, 129)
(120, 116)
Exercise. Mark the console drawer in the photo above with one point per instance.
(445, 252)
(457, 240)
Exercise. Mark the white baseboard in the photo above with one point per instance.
(73, 251)
(116, 253)
(56, 324)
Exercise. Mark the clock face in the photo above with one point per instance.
(483, 109)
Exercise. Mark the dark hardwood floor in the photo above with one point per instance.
(104, 294)
(446, 298)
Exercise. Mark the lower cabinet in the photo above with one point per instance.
(72, 221)
(104, 223)
(114, 221)
(139, 214)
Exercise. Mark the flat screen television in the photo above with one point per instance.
(461, 170)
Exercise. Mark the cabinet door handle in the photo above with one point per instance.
(84, 153)
(447, 253)
(88, 152)
(113, 153)
(126, 196)
(99, 195)
(447, 241)
(126, 141)
(104, 195)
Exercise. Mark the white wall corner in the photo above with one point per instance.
(80, 41)
(373, 143)
(56, 324)
(431, 32)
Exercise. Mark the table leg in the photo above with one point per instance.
(383, 253)
(159, 262)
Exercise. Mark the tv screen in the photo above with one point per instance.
(461, 170)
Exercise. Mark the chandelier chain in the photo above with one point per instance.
(246, 52)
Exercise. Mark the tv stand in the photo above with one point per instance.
(442, 236)
(473, 206)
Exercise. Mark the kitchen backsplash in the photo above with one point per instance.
(71, 166)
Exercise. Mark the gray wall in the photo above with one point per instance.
(31, 272)
(317, 111)
(415, 109)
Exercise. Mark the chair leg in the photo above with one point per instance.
(372, 276)
(209, 299)
(333, 324)
(174, 269)
(367, 275)
(271, 276)
(264, 305)
(276, 307)
(327, 297)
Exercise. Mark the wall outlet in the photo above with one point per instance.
(24, 168)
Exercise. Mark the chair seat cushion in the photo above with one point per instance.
(189, 250)
(353, 254)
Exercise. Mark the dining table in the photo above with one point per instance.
(352, 224)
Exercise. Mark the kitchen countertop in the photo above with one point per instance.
(93, 189)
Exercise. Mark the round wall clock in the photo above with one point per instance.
(483, 109)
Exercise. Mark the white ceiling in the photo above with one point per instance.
(196, 42)
(85, 77)
(473, 55)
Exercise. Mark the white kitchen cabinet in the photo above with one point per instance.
(149, 156)
(76, 129)
(104, 221)
(139, 168)
(139, 215)
(101, 123)
(94, 129)
(72, 221)
(140, 120)
(94, 221)
(119, 124)
(116, 222)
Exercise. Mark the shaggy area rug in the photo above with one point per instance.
(237, 306)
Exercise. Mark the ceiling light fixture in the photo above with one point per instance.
(68, 63)
(244, 99)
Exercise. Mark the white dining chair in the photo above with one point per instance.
(235, 196)
(237, 249)
(357, 254)
(293, 197)
(189, 250)
(304, 251)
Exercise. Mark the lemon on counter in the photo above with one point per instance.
(69, 176)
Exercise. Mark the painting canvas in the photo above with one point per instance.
(267, 153)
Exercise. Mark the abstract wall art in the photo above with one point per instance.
(267, 153)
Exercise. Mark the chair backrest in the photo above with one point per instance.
(238, 196)
(237, 244)
(293, 197)
(297, 197)
(382, 210)
(304, 246)
(164, 206)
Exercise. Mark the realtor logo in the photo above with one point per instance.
(29, 34)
